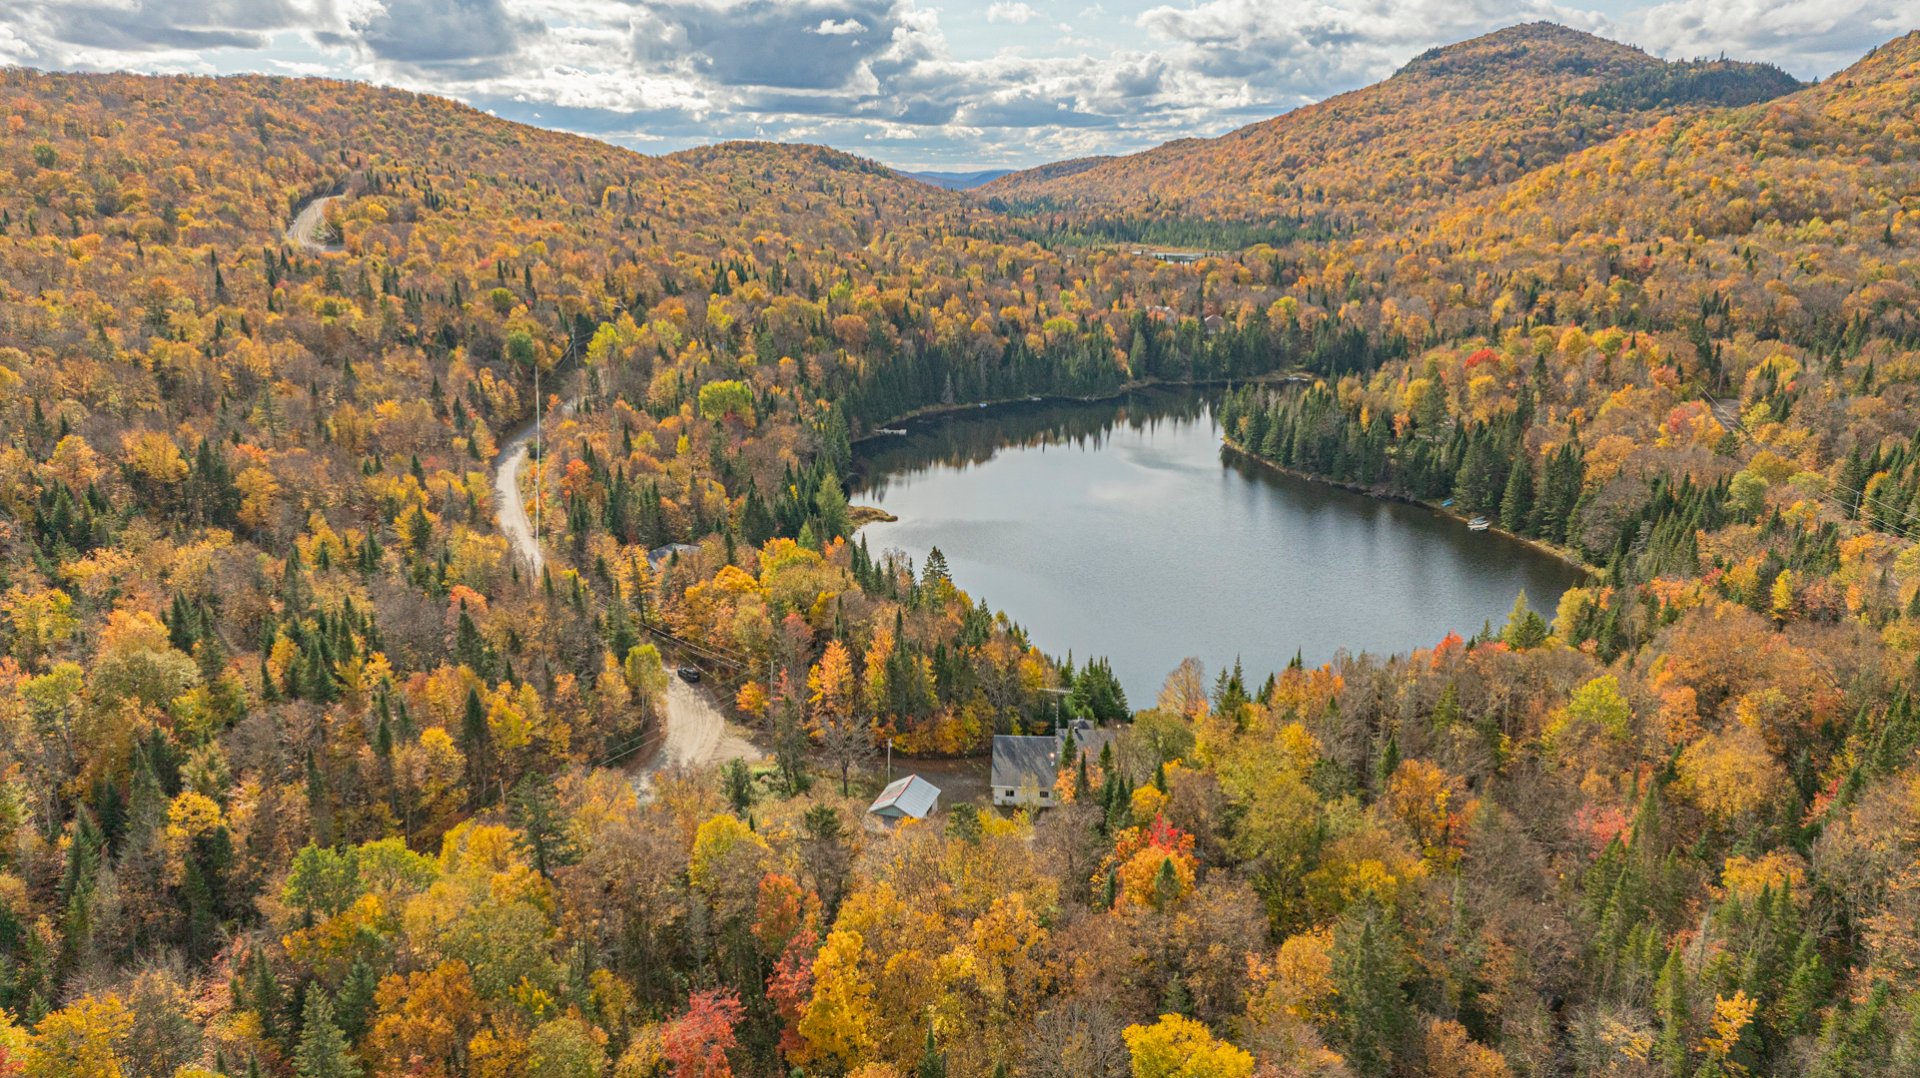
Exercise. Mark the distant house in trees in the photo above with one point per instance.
(1179, 258)
(1024, 767)
(1088, 739)
(660, 555)
(910, 798)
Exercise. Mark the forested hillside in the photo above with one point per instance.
(1478, 114)
(308, 774)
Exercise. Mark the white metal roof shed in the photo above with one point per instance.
(908, 798)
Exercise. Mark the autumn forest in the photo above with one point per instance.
(311, 771)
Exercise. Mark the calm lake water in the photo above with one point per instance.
(1123, 528)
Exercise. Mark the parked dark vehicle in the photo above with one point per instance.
(689, 674)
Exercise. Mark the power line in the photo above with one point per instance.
(1902, 530)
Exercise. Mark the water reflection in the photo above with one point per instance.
(958, 440)
(1122, 528)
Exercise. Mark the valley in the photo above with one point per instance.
(320, 763)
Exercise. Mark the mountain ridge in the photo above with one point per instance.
(304, 769)
(1463, 116)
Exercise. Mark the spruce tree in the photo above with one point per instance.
(935, 569)
(1386, 765)
(353, 1010)
(1671, 1001)
(469, 647)
(475, 740)
(84, 864)
(1446, 711)
(542, 825)
(933, 1062)
(1524, 629)
(264, 997)
(1479, 485)
(1166, 886)
(1516, 502)
(323, 1051)
(1369, 974)
(1176, 999)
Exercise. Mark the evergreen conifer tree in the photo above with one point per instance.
(323, 1051)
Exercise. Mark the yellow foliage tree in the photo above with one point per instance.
(85, 1039)
(1730, 1019)
(1729, 774)
(1142, 877)
(718, 842)
(1179, 1047)
(1298, 981)
(1450, 1053)
(1421, 796)
(1745, 877)
(839, 1020)
(154, 458)
(38, 620)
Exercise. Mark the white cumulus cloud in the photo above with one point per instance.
(882, 76)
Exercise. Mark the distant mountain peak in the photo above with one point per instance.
(1534, 46)
(1467, 116)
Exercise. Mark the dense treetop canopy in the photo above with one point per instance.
(308, 772)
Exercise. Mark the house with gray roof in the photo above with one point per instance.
(1023, 769)
(1024, 766)
(1088, 739)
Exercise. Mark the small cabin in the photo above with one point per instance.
(660, 555)
(910, 798)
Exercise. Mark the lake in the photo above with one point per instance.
(1124, 528)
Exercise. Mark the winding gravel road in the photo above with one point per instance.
(698, 734)
(512, 511)
(308, 228)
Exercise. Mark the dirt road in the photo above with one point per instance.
(697, 732)
(511, 508)
(309, 226)
(698, 735)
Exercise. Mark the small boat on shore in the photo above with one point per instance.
(890, 430)
(1479, 524)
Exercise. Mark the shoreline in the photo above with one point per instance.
(1121, 390)
(1584, 573)
(869, 514)
(1559, 554)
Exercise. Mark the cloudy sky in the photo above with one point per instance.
(941, 84)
